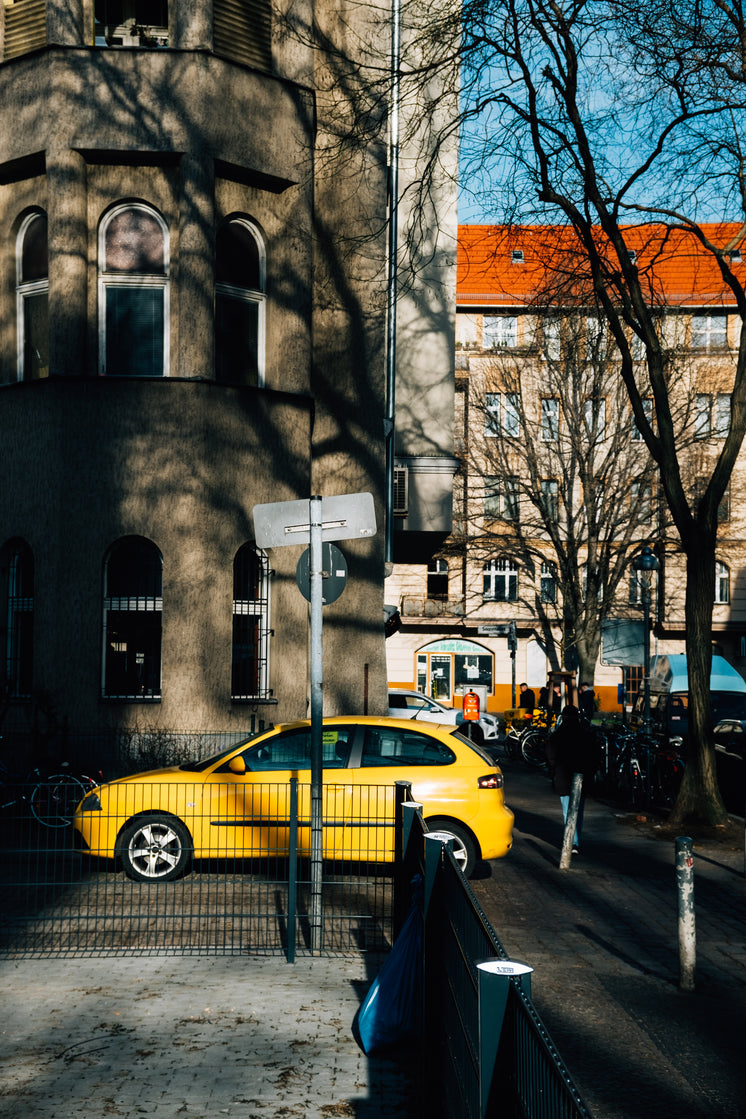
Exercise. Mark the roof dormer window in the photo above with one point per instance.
(516, 256)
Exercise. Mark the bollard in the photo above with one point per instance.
(687, 933)
(572, 820)
(493, 986)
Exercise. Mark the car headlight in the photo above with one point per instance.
(91, 803)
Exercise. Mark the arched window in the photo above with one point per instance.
(500, 581)
(133, 608)
(722, 584)
(239, 304)
(32, 290)
(250, 662)
(18, 568)
(133, 293)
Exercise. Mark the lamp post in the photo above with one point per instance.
(645, 564)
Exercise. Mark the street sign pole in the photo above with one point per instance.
(317, 711)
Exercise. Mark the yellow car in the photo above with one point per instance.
(237, 803)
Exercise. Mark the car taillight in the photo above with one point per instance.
(490, 781)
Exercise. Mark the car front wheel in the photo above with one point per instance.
(155, 849)
(464, 847)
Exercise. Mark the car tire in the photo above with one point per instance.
(464, 845)
(155, 848)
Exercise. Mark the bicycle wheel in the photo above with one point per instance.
(54, 800)
(533, 749)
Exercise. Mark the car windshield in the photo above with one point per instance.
(201, 766)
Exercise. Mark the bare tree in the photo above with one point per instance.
(557, 476)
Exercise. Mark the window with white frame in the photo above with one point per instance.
(437, 580)
(641, 500)
(549, 419)
(552, 331)
(501, 498)
(595, 417)
(499, 332)
(596, 339)
(501, 414)
(550, 499)
(647, 407)
(133, 612)
(500, 581)
(722, 584)
(702, 415)
(32, 297)
(133, 293)
(251, 630)
(722, 415)
(18, 565)
(548, 582)
(240, 302)
(131, 23)
(709, 332)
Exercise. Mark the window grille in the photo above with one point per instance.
(20, 621)
(133, 610)
(250, 658)
(401, 491)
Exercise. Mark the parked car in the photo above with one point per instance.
(236, 804)
(405, 703)
(730, 737)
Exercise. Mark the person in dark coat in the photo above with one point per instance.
(527, 698)
(587, 702)
(571, 748)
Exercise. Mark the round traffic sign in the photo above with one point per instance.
(334, 573)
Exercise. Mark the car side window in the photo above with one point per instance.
(388, 747)
(292, 750)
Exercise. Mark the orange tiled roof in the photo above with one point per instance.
(675, 269)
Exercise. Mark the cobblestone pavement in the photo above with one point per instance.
(602, 938)
(191, 1037)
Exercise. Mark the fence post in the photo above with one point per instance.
(292, 871)
(402, 793)
(572, 821)
(685, 893)
(493, 988)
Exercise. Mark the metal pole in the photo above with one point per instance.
(317, 712)
(572, 821)
(685, 892)
(393, 278)
(646, 652)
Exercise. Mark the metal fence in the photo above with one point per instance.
(483, 1035)
(197, 868)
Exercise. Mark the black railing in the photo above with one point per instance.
(487, 1051)
(197, 868)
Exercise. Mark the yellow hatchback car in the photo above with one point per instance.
(237, 803)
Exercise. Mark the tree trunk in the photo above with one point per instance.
(699, 797)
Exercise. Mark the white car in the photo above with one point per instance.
(409, 704)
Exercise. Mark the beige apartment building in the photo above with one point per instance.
(548, 445)
(193, 301)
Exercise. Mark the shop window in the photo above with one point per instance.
(18, 568)
(32, 290)
(133, 610)
(239, 304)
(250, 660)
(133, 293)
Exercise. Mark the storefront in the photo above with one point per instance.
(448, 668)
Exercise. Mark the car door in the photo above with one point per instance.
(384, 756)
(250, 811)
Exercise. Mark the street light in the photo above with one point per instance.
(645, 564)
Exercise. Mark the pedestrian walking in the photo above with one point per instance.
(587, 701)
(571, 748)
(528, 698)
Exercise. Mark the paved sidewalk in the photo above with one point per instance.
(190, 1037)
(255, 1037)
(602, 938)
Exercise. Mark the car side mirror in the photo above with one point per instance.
(237, 765)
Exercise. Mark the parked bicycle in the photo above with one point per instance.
(50, 798)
